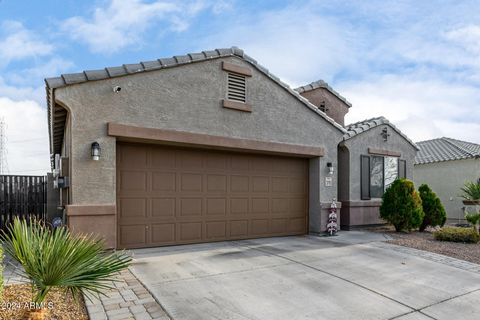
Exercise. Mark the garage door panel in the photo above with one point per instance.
(260, 184)
(163, 158)
(133, 181)
(238, 228)
(133, 235)
(279, 226)
(163, 207)
(216, 162)
(240, 163)
(280, 184)
(191, 206)
(133, 156)
(279, 205)
(262, 164)
(259, 227)
(185, 195)
(133, 207)
(216, 230)
(216, 206)
(190, 232)
(191, 182)
(297, 206)
(297, 225)
(260, 205)
(297, 185)
(239, 183)
(163, 233)
(190, 160)
(239, 206)
(216, 183)
(164, 181)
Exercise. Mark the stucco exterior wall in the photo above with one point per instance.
(356, 212)
(372, 138)
(187, 98)
(446, 178)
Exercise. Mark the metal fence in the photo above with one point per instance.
(22, 196)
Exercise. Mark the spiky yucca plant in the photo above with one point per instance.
(471, 191)
(58, 259)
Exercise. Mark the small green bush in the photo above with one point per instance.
(457, 234)
(402, 206)
(433, 209)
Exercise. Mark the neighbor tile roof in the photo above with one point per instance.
(357, 128)
(127, 69)
(322, 84)
(446, 149)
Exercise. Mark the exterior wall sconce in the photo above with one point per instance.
(385, 134)
(330, 167)
(96, 151)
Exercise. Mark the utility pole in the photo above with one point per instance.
(3, 148)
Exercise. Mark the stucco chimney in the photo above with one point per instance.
(326, 99)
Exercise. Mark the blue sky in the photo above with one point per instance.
(415, 62)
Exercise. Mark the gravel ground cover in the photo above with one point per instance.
(425, 241)
(60, 305)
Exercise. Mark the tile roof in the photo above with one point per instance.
(357, 128)
(322, 84)
(446, 149)
(163, 63)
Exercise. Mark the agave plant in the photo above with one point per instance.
(58, 259)
(471, 191)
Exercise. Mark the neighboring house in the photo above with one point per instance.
(445, 164)
(211, 146)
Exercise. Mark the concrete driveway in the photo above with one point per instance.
(349, 276)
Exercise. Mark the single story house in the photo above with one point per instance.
(445, 164)
(212, 146)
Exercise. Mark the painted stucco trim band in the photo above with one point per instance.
(229, 104)
(91, 210)
(383, 152)
(227, 66)
(172, 136)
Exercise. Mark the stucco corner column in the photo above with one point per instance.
(319, 204)
(99, 219)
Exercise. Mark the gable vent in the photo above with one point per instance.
(237, 87)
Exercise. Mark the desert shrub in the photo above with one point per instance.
(433, 209)
(457, 234)
(58, 258)
(402, 206)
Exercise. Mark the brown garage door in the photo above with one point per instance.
(171, 195)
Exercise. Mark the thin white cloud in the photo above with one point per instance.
(24, 92)
(45, 69)
(421, 108)
(468, 37)
(27, 136)
(296, 43)
(18, 43)
(122, 23)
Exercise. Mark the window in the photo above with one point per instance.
(378, 173)
(236, 88)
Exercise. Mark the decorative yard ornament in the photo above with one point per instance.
(332, 226)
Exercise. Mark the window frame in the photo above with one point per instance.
(367, 194)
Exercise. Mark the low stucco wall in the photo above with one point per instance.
(445, 179)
